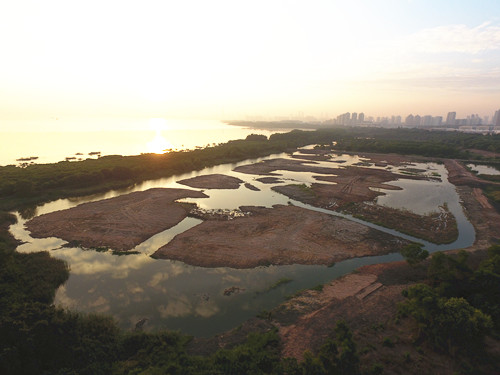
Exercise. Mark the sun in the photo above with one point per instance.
(159, 144)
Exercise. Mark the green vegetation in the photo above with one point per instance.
(454, 311)
(414, 254)
(460, 306)
(22, 187)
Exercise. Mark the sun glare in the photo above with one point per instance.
(158, 124)
(159, 145)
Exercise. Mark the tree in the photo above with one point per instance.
(414, 254)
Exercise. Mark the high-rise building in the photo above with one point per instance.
(496, 118)
(410, 120)
(427, 120)
(361, 118)
(451, 118)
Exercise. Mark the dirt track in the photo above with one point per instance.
(120, 223)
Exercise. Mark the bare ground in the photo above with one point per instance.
(212, 181)
(281, 235)
(355, 186)
(268, 167)
(459, 175)
(120, 223)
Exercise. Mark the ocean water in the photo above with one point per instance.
(44, 142)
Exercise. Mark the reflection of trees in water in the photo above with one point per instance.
(28, 212)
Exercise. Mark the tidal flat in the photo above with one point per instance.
(180, 295)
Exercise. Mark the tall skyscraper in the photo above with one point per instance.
(451, 118)
(496, 118)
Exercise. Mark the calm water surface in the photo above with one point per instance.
(190, 299)
(130, 137)
(484, 169)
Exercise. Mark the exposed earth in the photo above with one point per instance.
(354, 189)
(281, 235)
(212, 181)
(120, 223)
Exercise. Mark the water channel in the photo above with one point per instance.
(176, 296)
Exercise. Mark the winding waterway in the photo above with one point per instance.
(176, 296)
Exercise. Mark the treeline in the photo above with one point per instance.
(454, 309)
(43, 182)
(458, 305)
(38, 338)
(428, 148)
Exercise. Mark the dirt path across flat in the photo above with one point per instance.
(120, 223)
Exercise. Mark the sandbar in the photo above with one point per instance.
(212, 181)
(277, 236)
(268, 167)
(120, 223)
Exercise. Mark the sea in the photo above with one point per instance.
(27, 142)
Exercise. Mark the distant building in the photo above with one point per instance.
(410, 120)
(418, 120)
(496, 118)
(437, 121)
(451, 118)
(361, 118)
(426, 120)
(354, 118)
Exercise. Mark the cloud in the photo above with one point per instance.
(455, 38)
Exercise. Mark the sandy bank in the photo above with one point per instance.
(212, 181)
(268, 167)
(120, 223)
(281, 235)
(459, 175)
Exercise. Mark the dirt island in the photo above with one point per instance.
(353, 190)
(280, 235)
(120, 223)
(212, 181)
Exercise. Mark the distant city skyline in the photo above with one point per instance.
(230, 59)
(450, 119)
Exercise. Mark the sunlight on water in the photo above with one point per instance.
(145, 136)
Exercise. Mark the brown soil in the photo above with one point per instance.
(251, 187)
(269, 180)
(436, 227)
(212, 181)
(484, 218)
(367, 300)
(354, 186)
(120, 223)
(281, 235)
(392, 159)
(459, 175)
(268, 167)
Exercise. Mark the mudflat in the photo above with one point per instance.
(120, 223)
(212, 181)
(280, 235)
(268, 167)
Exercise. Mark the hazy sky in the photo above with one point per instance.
(229, 59)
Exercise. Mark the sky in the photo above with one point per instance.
(233, 59)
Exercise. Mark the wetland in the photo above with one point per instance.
(299, 234)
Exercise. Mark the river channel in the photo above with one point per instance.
(175, 296)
